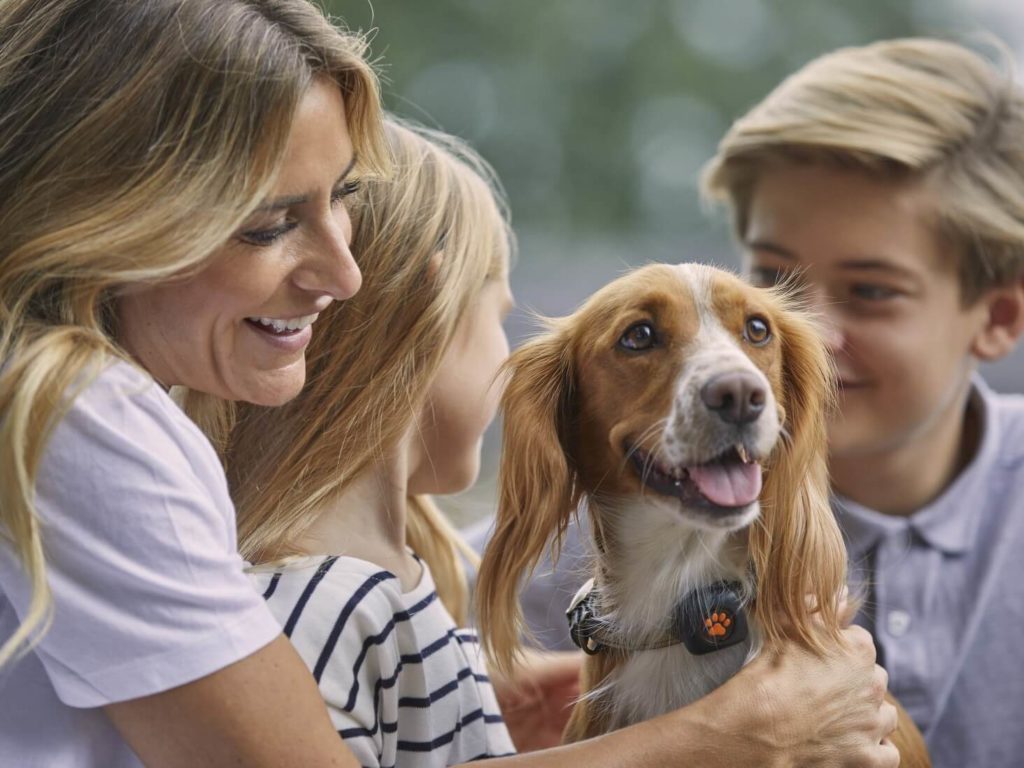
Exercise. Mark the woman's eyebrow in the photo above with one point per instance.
(290, 200)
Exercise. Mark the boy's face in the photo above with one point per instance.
(886, 288)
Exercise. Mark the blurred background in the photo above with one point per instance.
(598, 115)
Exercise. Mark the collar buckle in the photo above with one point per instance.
(583, 624)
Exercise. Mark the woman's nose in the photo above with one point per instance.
(329, 266)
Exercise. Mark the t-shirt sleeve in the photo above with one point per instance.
(139, 534)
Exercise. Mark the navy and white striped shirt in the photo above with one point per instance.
(403, 685)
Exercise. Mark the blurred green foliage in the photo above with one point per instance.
(598, 114)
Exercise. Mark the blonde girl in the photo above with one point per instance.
(332, 489)
(173, 175)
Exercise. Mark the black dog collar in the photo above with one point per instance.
(707, 619)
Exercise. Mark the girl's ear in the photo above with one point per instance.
(1004, 321)
(797, 548)
(537, 493)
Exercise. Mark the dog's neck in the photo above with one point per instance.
(648, 560)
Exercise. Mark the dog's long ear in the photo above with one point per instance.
(796, 545)
(537, 494)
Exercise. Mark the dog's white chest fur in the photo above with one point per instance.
(656, 560)
(654, 682)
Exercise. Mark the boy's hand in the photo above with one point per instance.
(537, 702)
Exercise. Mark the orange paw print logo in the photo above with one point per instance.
(718, 624)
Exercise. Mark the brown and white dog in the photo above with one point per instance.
(687, 410)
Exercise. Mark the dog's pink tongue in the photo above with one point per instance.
(728, 485)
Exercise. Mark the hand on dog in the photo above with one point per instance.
(813, 711)
(537, 702)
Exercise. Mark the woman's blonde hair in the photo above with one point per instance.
(912, 109)
(373, 356)
(135, 137)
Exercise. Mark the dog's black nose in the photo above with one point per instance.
(737, 397)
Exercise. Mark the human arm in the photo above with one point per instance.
(783, 709)
(264, 710)
(537, 702)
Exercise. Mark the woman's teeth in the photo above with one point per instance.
(283, 326)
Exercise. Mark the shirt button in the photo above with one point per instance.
(898, 623)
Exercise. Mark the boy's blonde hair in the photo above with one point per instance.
(373, 357)
(912, 109)
(135, 137)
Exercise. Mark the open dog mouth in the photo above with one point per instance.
(730, 480)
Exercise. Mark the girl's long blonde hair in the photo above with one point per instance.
(135, 137)
(920, 109)
(373, 356)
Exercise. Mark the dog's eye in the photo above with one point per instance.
(756, 331)
(638, 336)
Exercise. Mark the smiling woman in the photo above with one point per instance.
(174, 176)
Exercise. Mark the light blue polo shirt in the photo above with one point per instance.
(944, 597)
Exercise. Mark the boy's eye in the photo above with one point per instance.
(870, 292)
(766, 277)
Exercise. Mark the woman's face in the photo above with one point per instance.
(885, 284)
(239, 328)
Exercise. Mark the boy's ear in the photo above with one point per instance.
(1004, 321)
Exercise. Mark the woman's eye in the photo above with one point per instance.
(638, 336)
(757, 331)
(346, 189)
(267, 236)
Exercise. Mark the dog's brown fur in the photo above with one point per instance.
(574, 401)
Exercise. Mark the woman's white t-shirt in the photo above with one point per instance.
(148, 590)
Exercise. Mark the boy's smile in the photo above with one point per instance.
(870, 260)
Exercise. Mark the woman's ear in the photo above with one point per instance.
(1004, 321)
(537, 493)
